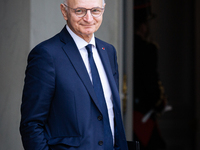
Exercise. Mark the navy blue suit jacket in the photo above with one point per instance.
(59, 107)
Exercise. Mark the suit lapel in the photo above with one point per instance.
(119, 132)
(106, 63)
(74, 56)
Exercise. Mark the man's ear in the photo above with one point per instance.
(64, 12)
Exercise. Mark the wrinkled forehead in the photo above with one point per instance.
(84, 3)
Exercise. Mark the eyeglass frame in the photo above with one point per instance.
(85, 11)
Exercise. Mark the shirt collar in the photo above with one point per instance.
(80, 43)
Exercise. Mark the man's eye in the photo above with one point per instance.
(96, 10)
(79, 11)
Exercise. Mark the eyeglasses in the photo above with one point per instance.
(81, 12)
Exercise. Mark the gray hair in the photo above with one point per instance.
(65, 1)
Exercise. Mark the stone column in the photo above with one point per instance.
(14, 47)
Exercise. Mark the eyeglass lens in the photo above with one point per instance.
(96, 12)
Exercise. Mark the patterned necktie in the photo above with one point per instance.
(108, 140)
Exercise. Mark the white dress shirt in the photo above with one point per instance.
(80, 43)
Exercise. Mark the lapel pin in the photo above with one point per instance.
(103, 48)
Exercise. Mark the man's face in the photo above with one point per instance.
(87, 25)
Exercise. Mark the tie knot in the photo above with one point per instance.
(89, 48)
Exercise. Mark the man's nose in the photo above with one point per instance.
(88, 17)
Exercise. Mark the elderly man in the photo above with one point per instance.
(70, 97)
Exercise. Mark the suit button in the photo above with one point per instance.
(100, 117)
(100, 143)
